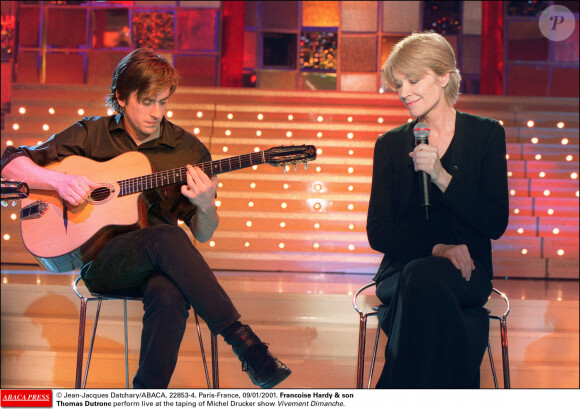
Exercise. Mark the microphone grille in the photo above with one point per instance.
(421, 130)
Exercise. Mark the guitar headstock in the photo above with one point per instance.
(290, 155)
(13, 190)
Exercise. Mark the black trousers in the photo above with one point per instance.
(160, 264)
(437, 327)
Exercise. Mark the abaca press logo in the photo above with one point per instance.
(26, 398)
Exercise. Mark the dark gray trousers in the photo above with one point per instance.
(160, 264)
(437, 327)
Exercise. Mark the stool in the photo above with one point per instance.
(363, 332)
(81, 381)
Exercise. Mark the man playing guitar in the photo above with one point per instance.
(154, 259)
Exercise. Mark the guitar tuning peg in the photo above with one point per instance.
(283, 169)
(295, 167)
(305, 165)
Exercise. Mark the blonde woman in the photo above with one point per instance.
(437, 270)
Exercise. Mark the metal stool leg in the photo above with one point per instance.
(202, 351)
(214, 361)
(126, 347)
(214, 358)
(90, 353)
(492, 365)
(81, 343)
(360, 366)
(374, 357)
(504, 353)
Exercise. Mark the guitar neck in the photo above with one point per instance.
(179, 175)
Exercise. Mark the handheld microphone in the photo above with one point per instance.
(421, 132)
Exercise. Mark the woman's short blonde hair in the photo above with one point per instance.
(418, 52)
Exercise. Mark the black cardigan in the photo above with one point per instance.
(477, 196)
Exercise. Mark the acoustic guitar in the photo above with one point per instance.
(63, 238)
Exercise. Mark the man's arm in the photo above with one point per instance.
(72, 188)
(201, 191)
(204, 224)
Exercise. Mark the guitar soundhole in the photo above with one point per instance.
(101, 194)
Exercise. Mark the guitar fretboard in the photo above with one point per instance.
(179, 175)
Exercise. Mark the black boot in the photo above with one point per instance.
(265, 370)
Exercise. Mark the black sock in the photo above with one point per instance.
(226, 333)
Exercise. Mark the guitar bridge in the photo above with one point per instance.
(34, 210)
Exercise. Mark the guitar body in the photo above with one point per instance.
(64, 238)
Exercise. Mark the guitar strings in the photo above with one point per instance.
(179, 175)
